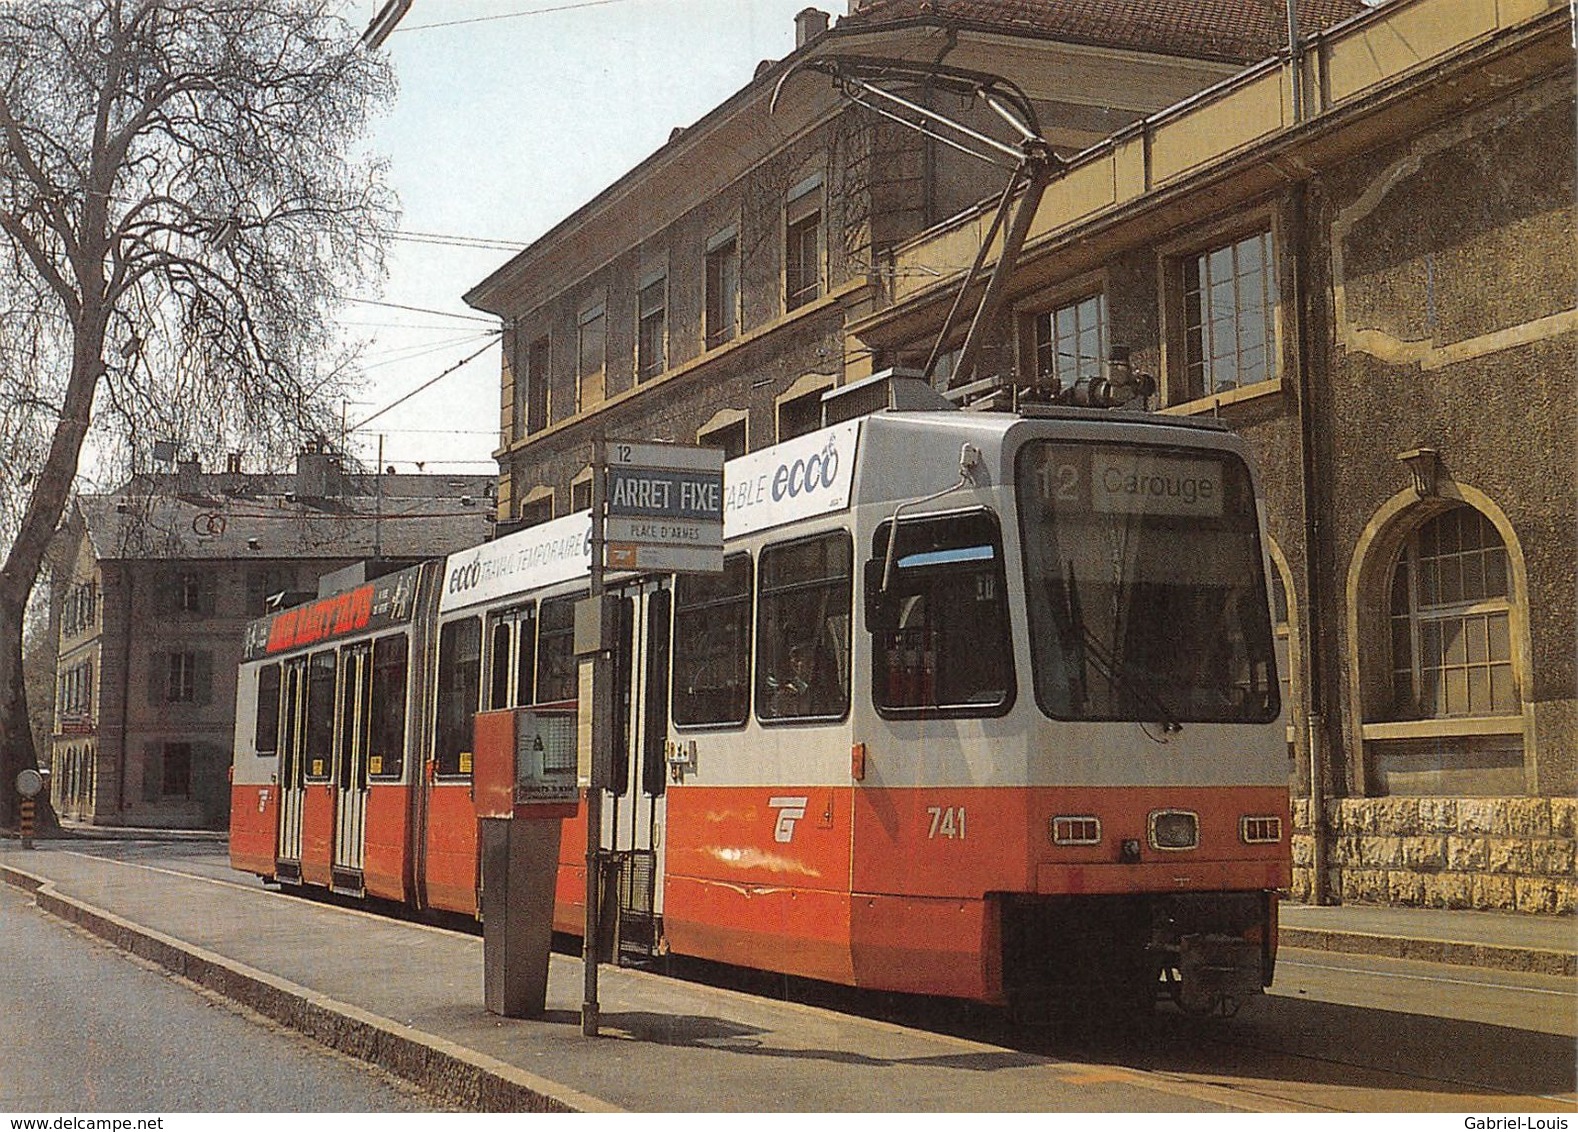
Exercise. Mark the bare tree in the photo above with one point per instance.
(182, 205)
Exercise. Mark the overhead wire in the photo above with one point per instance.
(425, 310)
(396, 325)
(511, 15)
(480, 243)
(398, 354)
(425, 385)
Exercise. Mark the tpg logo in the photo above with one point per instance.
(790, 810)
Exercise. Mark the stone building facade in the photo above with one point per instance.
(159, 580)
(1360, 256)
(1357, 251)
(705, 296)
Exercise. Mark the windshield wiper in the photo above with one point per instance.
(1114, 670)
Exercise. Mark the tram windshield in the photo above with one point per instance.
(1145, 585)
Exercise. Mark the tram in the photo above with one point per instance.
(982, 705)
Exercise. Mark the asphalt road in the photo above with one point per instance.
(1338, 1033)
(84, 1028)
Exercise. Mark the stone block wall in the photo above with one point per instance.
(1495, 854)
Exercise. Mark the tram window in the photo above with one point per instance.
(319, 757)
(1145, 584)
(386, 746)
(499, 664)
(459, 687)
(526, 657)
(512, 647)
(349, 704)
(624, 691)
(939, 631)
(655, 726)
(802, 629)
(355, 713)
(557, 674)
(265, 735)
(290, 725)
(712, 654)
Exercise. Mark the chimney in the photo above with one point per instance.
(808, 24)
(317, 472)
(187, 476)
(233, 463)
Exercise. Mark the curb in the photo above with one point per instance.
(1483, 955)
(475, 1081)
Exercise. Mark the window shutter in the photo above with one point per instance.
(158, 676)
(152, 772)
(203, 679)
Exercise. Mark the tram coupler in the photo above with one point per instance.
(1215, 973)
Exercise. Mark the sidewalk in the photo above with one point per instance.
(409, 998)
(1545, 945)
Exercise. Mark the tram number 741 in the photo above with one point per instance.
(946, 821)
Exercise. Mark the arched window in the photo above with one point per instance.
(1282, 628)
(1285, 637)
(1451, 631)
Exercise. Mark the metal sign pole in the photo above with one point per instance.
(594, 787)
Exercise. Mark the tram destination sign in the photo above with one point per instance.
(664, 507)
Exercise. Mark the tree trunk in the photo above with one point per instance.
(17, 751)
(16, 734)
(20, 571)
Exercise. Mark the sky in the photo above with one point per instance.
(510, 115)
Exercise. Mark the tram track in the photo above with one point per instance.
(1254, 1061)
(1269, 1071)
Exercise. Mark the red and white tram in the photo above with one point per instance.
(982, 705)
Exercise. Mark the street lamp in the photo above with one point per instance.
(383, 24)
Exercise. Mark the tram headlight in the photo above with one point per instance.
(1174, 829)
(1084, 829)
(1260, 829)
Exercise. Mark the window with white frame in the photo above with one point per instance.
(591, 340)
(79, 609)
(74, 696)
(1282, 632)
(1451, 621)
(265, 583)
(723, 289)
(182, 677)
(800, 414)
(188, 591)
(1071, 341)
(175, 779)
(728, 435)
(531, 389)
(652, 329)
(535, 508)
(803, 244)
(1229, 311)
(581, 490)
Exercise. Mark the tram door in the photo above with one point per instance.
(350, 777)
(292, 787)
(633, 810)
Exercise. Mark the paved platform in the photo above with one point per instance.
(409, 998)
(1544, 944)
